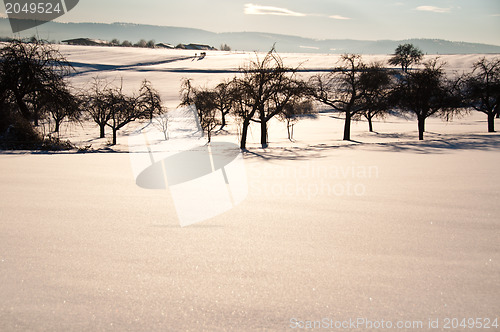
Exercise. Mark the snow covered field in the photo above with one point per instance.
(381, 228)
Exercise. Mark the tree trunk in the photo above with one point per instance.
(36, 117)
(114, 136)
(491, 122)
(263, 133)
(25, 112)
(370, 124)
(421, 128)
(102, 128)
(347, 126)
(223, 121)
(56, 129)
(244, 131)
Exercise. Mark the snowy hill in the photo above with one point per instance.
(244, 41)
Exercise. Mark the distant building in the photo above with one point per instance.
(86, 42)
(198, 47)
(163, 45)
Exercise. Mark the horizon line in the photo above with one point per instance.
(277, 34)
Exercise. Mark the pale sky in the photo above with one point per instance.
(456, 20)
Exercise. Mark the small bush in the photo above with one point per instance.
(21, 135)
(55, 144)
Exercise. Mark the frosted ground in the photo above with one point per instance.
(382, 228)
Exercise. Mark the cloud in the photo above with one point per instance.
(339, 17)
(433, 9)
(251, 9)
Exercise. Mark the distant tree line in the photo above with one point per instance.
(34, 87)
(141, 43)
(225, 47)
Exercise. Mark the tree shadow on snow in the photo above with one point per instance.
(280, 153)
(407, 142)
(447, 144)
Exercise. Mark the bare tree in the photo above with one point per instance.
(254, 90)
(149, 98)
(161, 121)
(341, 89)
(263, 91)
(96, 103)
(123, 110)
(244, 107)
(186, 92)
(30, 73)
(376, 83)
(405, 55)
(63, 105)
(213, 105)
(207, 111)
(293, 111)
(223, 100)
(425, 93)
(206, 103)
(482, 89)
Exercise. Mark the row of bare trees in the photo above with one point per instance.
(34, 86)
(108, 106)
(360, 90)
(267, 89)
(356, 89)
(264, 89)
